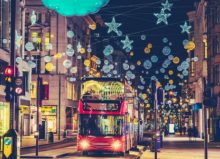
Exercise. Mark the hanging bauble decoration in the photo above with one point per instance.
(150, 46)
(143, 37)
(70, 34)
(67, 63)
(49, 67)
(147, 50)
(176, 60)
(108, 50)
(165, 40)
(29, 46)
(154, 59)
(70, 52)
(47, 58)
(147, 64)
(18, 60)
(166, 50)
(82, 51)
(190, 46)
(58, 55)
(138, 63)
(87, 62)
(73, 70)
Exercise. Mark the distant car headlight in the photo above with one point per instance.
(84, 144)
(116, 145)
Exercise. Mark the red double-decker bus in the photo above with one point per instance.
(105, 114)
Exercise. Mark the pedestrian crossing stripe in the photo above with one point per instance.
(7, 146)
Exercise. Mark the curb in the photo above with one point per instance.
(42, 157)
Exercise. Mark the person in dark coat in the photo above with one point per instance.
(184, 130)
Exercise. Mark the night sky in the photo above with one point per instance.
(137, 19)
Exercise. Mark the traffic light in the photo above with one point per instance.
(19, 86)
(8, 73)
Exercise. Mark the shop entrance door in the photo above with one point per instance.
(26, 125)
(43, 133)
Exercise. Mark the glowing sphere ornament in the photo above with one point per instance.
(67, 63)
(49, 67)
(75, 7)
(73, 70)
(47, 58)
(170, 72)
(108, 50)
(87, 62)
(165, 40)
(138, 63)
(176, 60)
(82, 51)
(70, 34)
(147, 64)
(154, 59)
(150, 46)
(70, 52)
(18, 60)
(147, 50)
(190, 46)
(166, 50)
(143, 37)
(58, 55)
(29, 46)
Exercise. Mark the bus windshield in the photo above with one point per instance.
(101, 125)
(98, 90)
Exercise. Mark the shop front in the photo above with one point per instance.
(4, 120)
(49, 118)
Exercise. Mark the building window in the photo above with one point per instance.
(216, 74)
(36, 60)
(205, 48)
(33, 89)
(69, 91)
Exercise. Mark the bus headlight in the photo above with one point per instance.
(84, 144)
(116, 145)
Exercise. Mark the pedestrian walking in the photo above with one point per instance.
(184, 130)
(180, 130)
(195, 133)
(189, 133)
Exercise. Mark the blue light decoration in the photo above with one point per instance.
(157, 72)
(132, 67)
(29, 46)
(170, 57)
(185, 42)
(106, 69)
(196, 59)
(70, 52)
(125, 66)
(185, 28)
(47, 58)
(147, 64)
(162, 70)
(18, 60)
(153, 78)
(143, 37)
(154, 59)
(67, 63)
(75, 7)
(167, 5)
(165, 40)
(33, 18)
(166, 50)
(108, 50)
(127, 43)
(70, 34)
(185, 73)
(113, 26)
(162, 17)
(79, 46)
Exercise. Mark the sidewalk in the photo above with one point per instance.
(179, 147)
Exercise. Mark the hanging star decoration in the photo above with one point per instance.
(127, 43)
(185, 28)
(33, 18)
(162, 17)
(113, 26)
(18, 39)
(167, 5)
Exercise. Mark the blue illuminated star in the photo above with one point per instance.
(167, 5)
(162, 17)
(185, 28)
(113, 26)
(127, 43)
